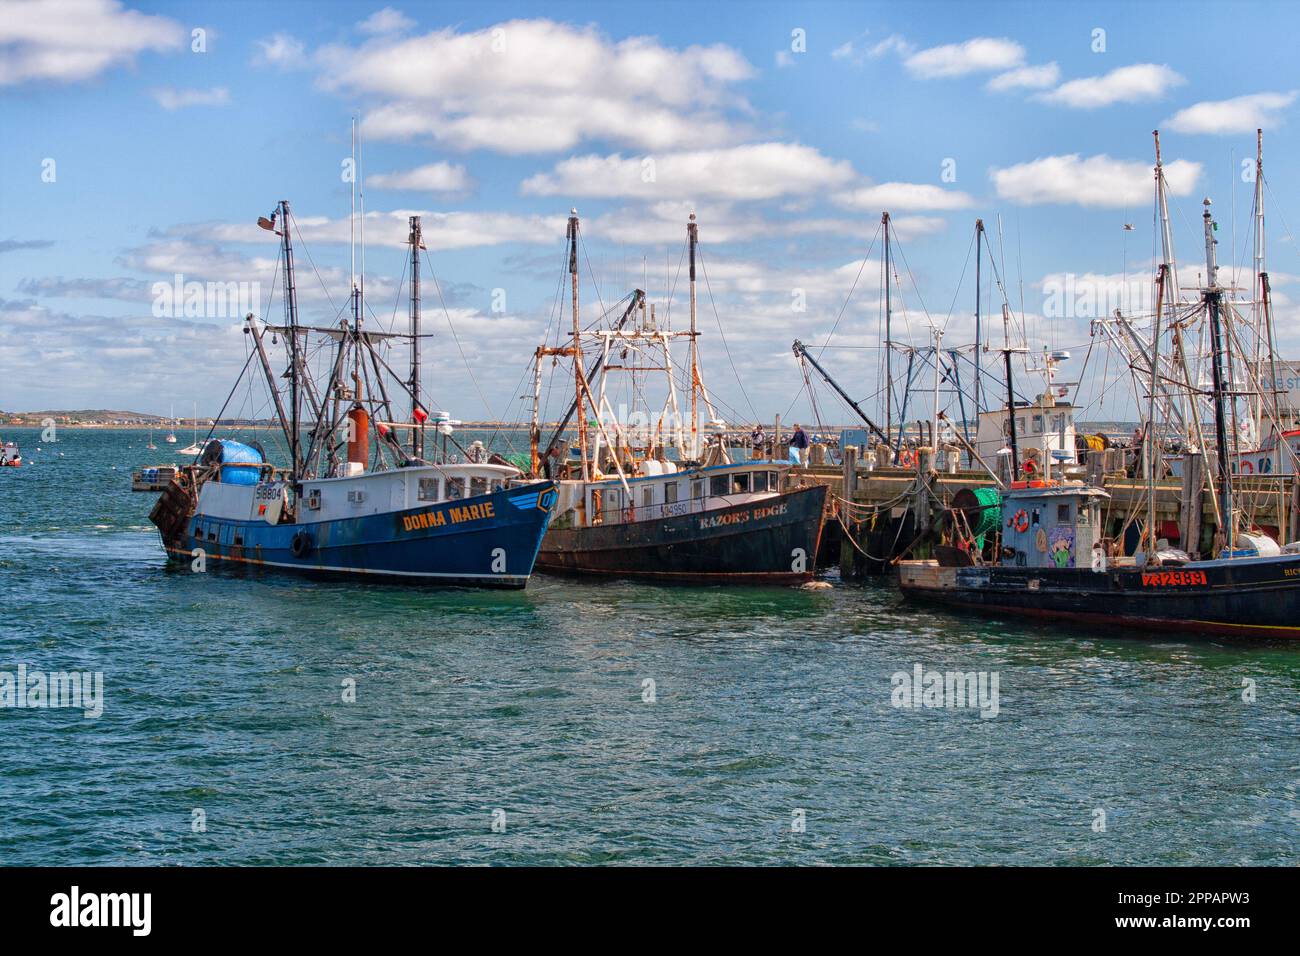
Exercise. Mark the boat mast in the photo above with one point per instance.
(1265, 295)
(1011, 407)
(577, 344)
(692, 234)
(979, 242)
(1214, 302)
(417, 432)
(889, 347)
(291, 321)
(934, 421)
(1190, 411)
(1149, 452)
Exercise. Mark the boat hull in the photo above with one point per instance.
(1253, 597)
(488, 541)
(771, 541)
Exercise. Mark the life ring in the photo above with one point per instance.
(302, 544)
(1247, 467)
(1020, 521)
(907, 458)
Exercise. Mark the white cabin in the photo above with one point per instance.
(354, 496)
(1046, 424)
(650, 496)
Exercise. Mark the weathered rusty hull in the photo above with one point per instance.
(772, 541)
(1253, 597)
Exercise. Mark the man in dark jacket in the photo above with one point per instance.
(799, 446)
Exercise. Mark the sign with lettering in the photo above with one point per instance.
(444, 515)
(708, 522)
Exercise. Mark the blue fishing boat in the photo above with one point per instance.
(353, 501)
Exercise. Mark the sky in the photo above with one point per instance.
(139, 142)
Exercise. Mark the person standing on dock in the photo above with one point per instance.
(757, 440)
(799, 446)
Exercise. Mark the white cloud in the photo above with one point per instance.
(893, 43)
(537, 86)
(441, 230)
(385, 21)
(981, 54)
(1241, 114)
(857, 51)
(664, 223)
(69, 40)
(756, 171)
(282, 52)
(170, 98)
(784, 58)
(1026, 78)
(1128, 84)
(434, 177)
(1095, 181)
(889, 196)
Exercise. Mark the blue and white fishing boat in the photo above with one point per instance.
(354, 500)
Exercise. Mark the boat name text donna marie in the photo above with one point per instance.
(437, 519)
(740, 517)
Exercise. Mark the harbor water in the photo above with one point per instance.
(254, 719)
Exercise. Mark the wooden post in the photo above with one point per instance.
(847, 554)
(1295, 511)
(850, 472)
(1192, 501)
(1096, 466)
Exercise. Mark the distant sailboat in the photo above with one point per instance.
(171, 432)
(197, 447)
(151, 446)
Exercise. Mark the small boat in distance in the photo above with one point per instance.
(10, 456)
(195, 447)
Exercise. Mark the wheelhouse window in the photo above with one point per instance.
(647, 496)
(759, 481)
(718, 485)
(773, 481)
(428, 489)
(1063, 513)
(478, 486)
(740, 483)
(455, 488)
(613, 501)
(670, 493)
(697, 488)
